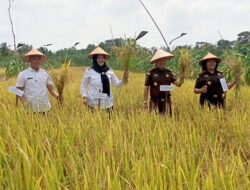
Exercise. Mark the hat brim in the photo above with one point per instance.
(218, 60)
(167, 58)
(43, 58)
(92, 55)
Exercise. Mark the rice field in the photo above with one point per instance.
(72, 148)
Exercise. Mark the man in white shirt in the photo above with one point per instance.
(36, 82)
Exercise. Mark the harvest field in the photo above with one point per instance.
(71, 148)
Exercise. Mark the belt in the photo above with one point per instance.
(215, 96)
(162, 99)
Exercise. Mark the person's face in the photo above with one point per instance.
(101, 60)
(35, 61)
(160, 63)
(211, 64)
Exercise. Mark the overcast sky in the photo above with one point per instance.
(64, 22)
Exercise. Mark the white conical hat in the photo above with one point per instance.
(210, 56)
(98, 51)
(161, 54)
(35, 52)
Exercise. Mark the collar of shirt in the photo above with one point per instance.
(161, 70)
(209, 73)
(33, 70)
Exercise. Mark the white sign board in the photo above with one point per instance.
(101, 96)
(224, 84)
(166, 88)
(16, 91)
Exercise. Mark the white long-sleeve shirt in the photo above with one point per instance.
(35, 85)
(92, 88)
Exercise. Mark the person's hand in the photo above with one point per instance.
(24, 98)
(125, 77)
(84, 100)
(126, 74)
(181, 79)
(60, 99)
(237, 78)
(204, 89)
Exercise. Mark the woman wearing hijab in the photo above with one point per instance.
(96, 83)
(209, 83)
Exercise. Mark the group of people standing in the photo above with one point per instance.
(97, 81)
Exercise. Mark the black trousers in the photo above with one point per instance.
(161, 105)
(213, 100)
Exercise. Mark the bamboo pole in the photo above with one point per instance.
(155, 24)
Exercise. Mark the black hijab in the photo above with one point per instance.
(102, 70)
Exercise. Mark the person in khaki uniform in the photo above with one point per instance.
(160, 101)
(208, 84)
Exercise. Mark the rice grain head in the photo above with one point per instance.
(185, 63)
(125, 54)
(60, 76)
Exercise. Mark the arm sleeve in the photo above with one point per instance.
(50, 81)
(198, 83)
(115, 81)
(148, 79)
(20, 80)
(85, 82)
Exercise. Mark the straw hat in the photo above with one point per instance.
(161, 54)
(37, 53)
(210, 56)
(98, 51)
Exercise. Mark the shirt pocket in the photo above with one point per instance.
(155, 80)
(30, 81)
(155, 77)
(96, 82)
(168, 78)
(42, 80)
(213, 80)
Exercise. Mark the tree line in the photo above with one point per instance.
(240, 47)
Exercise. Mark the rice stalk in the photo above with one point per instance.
(60, 76)
(235, 63)
(185, 63)
(124, 55)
